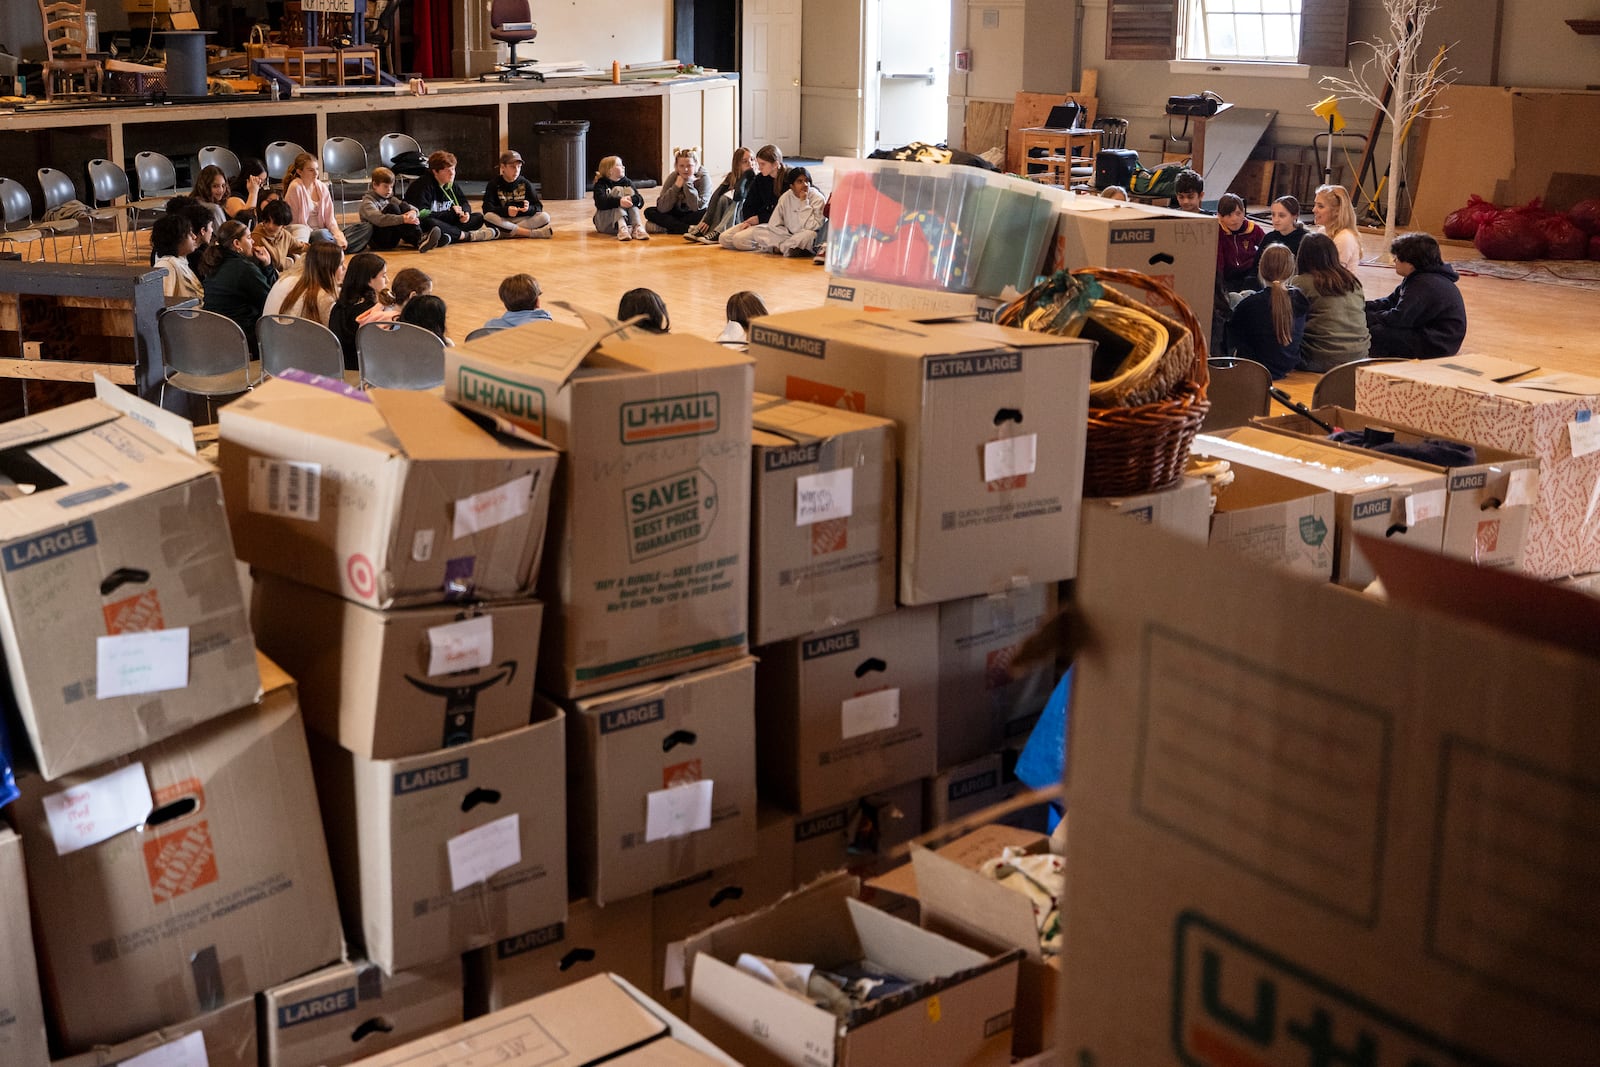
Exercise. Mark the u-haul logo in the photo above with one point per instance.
(1235, 1004)
(414, 781)
(517, 401)
(833, 822)
(817, 647)
(1371, 509)
(670, 512)
(1133, 235)
(693, 415)
(972, 365)
(767, 337)
(637, 715)
(846, 293)
(777, 459)
(306, 1011)
(1462, 482)
(52, 545)
(509, 947)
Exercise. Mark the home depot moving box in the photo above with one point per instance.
(352, 1009)
(1177, 247)
(1537, 416)
(849, 711)
(122, 622)
(388, 498)
(649, 541)
(212, 886)
(1488, 502)
(603, 1019)
(982, 689)
(1276, 519)
(1184, 508)
(823, 535)
(991, 426)
(663, 780)
(442, 852)
(968, 788)
(1372, 496)
(861, 836)
(593, 940)
(957, 1011)
(405, 681)
(1392, 864)
(22, 1036)
(222, 1038)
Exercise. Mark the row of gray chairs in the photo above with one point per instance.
(1240, 389)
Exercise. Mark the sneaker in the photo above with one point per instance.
(654, 227)
(485, 233)
(641, 234)
(623, 234)
(820, 259)
(693, 237)
(542, 231)
(430, 240)
(800, 253)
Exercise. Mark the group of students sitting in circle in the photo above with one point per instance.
(1288, 297)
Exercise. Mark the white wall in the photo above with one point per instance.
(1539, 50)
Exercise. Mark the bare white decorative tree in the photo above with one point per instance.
(1394, 80)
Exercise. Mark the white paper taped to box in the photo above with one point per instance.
(461, 646)
(149, 661)
(92, 812)
(678, 810)
(485, 851)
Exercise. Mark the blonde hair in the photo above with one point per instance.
(605, 166)
(692, 154)
(316, 277)
(1344, 213)
(1275, 269)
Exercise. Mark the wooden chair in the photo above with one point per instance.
(66, 34)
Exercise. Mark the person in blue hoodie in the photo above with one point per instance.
(1424, 318)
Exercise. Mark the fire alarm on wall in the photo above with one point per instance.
(964, 60)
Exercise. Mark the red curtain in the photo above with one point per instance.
(430, 27)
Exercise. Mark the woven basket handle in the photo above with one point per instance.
(1132, 279)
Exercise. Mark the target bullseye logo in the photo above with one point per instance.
(363, 579)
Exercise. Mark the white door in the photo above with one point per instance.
(913, 72)
(770, 76)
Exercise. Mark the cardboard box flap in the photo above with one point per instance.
(282, 404)
(960, 898)
(1324, 464)
(57, 422)
(1346, 419)
(811, 927)
(912, 952)
(1545, 389)
(735, 1002)
(664, 353)
(1489, 368)
(803, 423)
(547, 350)
(1569, 384)
(986, 334)
(429, 428)
(903, 334)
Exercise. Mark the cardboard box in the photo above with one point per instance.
(991, 426)
(601, 1019)
(1529, 417)
(1185, 508)
(388, 498)
(861, 836)
(663, 781)
(440, 853)
(966, 789)
(694, 904)
(222, 1038)
(869, 295)
(650, 537)
(958, 1011)
(848, 711)
(823, 533)
(350, 1010)
(1488, 504)
(1372, 496)
(593, 940)
(123, 539)
(979, 692)
(1175, 246)
(1389, 864)
(22, 1035)
(386, 684)
(1272, 518)
(217, 885)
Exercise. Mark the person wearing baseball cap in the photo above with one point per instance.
(509, 203)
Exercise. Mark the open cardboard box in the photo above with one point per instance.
(225, 1037)
(1184, 508)
(957, 1012)
(351, 1010)
(1275, 519)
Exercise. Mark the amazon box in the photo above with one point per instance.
(663, 781)
(1276, 858)
(823, 535)
(351, 1010)
(957, 1009)
(649, 542)
(122, 621)
(990, 436)
(593, 940)
(386, 498)
(386, 684)
(440, 853)
(180, 878)
(849, 711)
(22, 1034)
(603, 1019)
(222, 1038)
(985, 696)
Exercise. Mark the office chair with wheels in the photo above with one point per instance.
(511, 21)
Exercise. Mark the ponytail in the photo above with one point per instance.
(221, 244)
(1282, 312)
(1276, 267)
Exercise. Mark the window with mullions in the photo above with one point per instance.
(1263, 31)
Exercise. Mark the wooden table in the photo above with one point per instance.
(1061, 149)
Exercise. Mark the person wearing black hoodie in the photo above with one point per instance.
(1424, 318)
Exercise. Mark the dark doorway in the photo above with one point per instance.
(706, 32)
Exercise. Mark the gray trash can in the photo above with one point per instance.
(563, 145)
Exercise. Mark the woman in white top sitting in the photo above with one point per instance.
(311, 201)
(1336, 216)
(307, 291)
(172, 239)
(792, 229)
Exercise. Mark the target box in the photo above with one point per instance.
(389, 498)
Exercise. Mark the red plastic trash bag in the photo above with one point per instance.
(1585, 215)
(1462, 224)
(1563, 239)
(1513, 234)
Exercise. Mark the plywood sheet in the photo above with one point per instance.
(1554, 132)
(1470, 149)
(986, 125)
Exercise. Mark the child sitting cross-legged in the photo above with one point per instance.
(509, 204)
(394, 222)
(617, 203)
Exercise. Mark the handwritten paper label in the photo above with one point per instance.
(672, 971)
(1420, 507)
(1524, 488)
(188, 1051)
(92, 812)
(490, 508)
(148, 662)
(869, 712)
(1010, 457)
(820, 497)
(280, 487)
(461, 646)
(683, 809)
(175, 428)
(1585, 434)
(485, 851)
